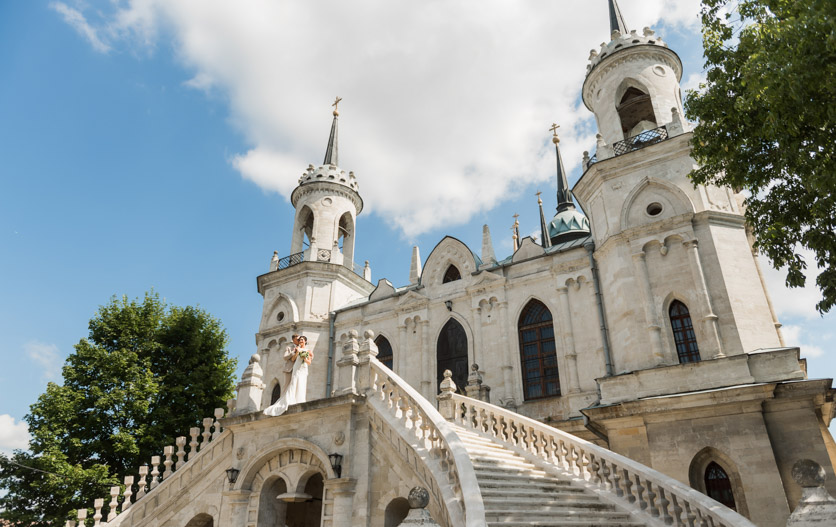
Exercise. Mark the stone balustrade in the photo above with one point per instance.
(173, 463)
(416, 420)
(650, 492)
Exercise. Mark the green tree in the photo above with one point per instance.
(767, 125)
(145, 374)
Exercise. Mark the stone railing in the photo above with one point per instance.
(653, 494)
(153, 481)
(416, 421)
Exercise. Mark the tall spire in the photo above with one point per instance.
(616, 20)
(332, 154)
(564, 195)
(544, 230)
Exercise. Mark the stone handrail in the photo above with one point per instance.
(423, 427)
(158, 480)
(662, 498)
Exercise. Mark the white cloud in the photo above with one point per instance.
(77, 21)
(693, 82)
(794, 336)
(46, 356)
(12, 435)
(447, 104)
(793, 302)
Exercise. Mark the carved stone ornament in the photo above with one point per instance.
(339, 438)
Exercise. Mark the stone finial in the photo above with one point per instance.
(488, 255)
(447, 384)
(418, 514)
(816, 508)
(585, 159)
(82, 515)
(415, 266)
(367, 272)
(274, 261)
(475, 388)
(474, 378)
(367, 347)
(230, 406)
(250, 389)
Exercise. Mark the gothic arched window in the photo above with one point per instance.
(384, 351)
(537, 352)
(452, 273)
(635, 109)
(277, 393)
(451, 354)
(683, 333)
(718, 485)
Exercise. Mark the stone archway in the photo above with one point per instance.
(201, 520)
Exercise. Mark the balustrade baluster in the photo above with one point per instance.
(129, 483)
(155, 472)
(207, 433)
(640, 493)
(114, 503)
(98, 503)
(181, 452)
(584, 461)
(219, 413)
(651, 498)
(168, 451)
(605, 474)
(628, 486)
(576, 457)
(690, 517)
(194, 432)
(663, 506)
(140, 488)
(593, 469)
(677, 511)
(616, 481)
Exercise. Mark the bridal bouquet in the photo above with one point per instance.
(304, 354)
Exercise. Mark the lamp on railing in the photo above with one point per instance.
(336, 463)
(232, 475)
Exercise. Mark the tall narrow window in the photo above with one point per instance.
(277, 393)
(683, 333)
(537, 352)
(451, 354)
(452, 273)
(718, 485)
(384, 351)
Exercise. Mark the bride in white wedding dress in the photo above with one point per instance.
(295, 392)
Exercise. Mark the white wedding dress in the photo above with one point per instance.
(295, 392)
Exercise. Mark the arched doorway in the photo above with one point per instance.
(451, 354)
(307, 513)
(272, 511)
(279, 508)
(201, 520)
(395, 512)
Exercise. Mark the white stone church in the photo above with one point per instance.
(626, 368)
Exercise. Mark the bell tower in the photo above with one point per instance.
(679, 272)
(327, 202)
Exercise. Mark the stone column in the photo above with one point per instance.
(427, 378)
(368, 349)
(569, 340)
(342, 492)
(710, 322)
(477, 335)
(401, 358)
(347, 366)
(250, 388)
(505, 327)
(654, 326)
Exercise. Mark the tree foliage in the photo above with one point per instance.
(145, 374)
(767, 125)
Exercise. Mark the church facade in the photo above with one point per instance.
(639, 322)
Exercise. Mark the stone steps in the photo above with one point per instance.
(518, 493)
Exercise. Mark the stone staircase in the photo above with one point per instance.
(518, 493)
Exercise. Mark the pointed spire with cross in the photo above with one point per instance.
(544, 230)
(616, 19)
(564, 195)
(332, 155)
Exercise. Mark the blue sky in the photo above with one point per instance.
(149, 144)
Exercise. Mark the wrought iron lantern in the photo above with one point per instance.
(336, 463)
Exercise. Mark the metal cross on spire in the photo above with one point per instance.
(332, 154)
(564, 195)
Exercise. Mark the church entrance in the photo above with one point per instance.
(303, 511)
(451, 354)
